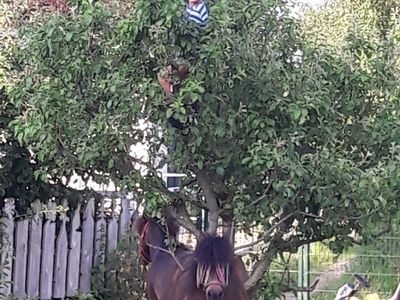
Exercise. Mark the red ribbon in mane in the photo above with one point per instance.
(203, 274)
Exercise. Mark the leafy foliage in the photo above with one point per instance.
(298, 126)
(120, 276)
(18, 169)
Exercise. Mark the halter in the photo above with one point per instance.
(142, 244)
(203, 276)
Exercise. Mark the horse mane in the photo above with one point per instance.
(214, 251)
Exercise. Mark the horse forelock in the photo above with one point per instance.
(214, 251)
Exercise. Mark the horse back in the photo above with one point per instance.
(166, 280)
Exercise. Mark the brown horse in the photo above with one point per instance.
(210, 272)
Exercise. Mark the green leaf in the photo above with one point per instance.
(220, 171)
(170, 112)
(69, 36)
(246, 160)
(296, 113)
(303, 118)
(220, 131)
(110, 163)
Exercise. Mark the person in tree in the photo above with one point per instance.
(174, 73)
(196, 10)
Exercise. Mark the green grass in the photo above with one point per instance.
(379, 262)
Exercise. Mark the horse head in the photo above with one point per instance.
(152, 233)
(214, 257)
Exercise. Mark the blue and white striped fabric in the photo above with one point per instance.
(197, 13)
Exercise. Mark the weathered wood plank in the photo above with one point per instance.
(74, 254)
(124, 218)
(100, 240)
(60, 263)
(21, 256)
(112, 230)
(112, 241)
(100, 236)
(47, 264)
(88, 227)
(112, 235)
(35, 248)
(7, 228)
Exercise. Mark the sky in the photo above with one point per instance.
(311, 2)
(299, 3)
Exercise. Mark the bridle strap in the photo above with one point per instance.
(142, 244)
(212, 283)
(203, 275)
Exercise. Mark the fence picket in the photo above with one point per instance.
(74, 254)
(100, 240)
(35, 233)
(53, 256)
(112, 241)
(60, 263)
(124, 218)
(87, 247)
(112, 231)
(21, 255)
(100, 235)
(7, 230)
(46, 272)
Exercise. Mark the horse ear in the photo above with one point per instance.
(138, 224)
(171, 222)
(145, 216)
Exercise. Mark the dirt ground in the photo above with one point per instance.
(330, 275)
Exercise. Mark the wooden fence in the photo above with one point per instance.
(50, 254)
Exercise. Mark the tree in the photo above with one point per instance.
(296, 136)
(17, 167)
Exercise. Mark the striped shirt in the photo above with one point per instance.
(197, 13)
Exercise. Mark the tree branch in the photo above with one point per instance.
(181, 199)
(211, 200)
(168, 252)
(264, 264)
(262, 197)
(183, 219)
(355, 218)
(302, 289)
(161, 186)
(259, 271)
(229, 229)
(267, 235)
(310, 215)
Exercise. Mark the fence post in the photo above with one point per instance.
(35, 250)
(60, 263)
(303, 272)
(88, 228)
(47, 264)
(124, 218)
(112, 229)
(21, 255)
(7, 235)
(74, 253)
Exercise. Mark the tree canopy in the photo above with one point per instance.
(298, 126)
